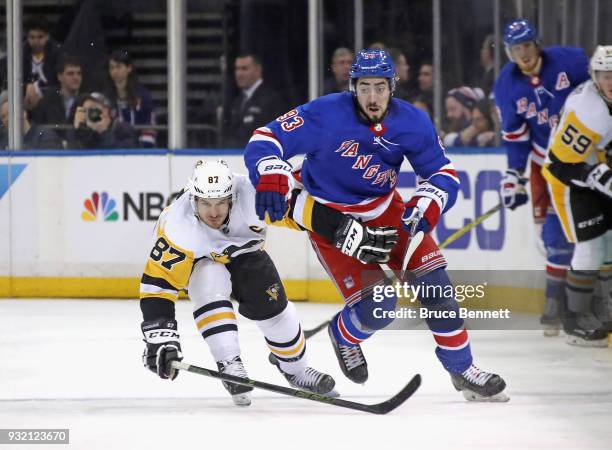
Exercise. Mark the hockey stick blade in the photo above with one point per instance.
(379, 408)
(310, 333)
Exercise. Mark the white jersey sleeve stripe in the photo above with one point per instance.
(520, 135)
(266, 135)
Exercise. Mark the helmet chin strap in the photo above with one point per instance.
(600, 90)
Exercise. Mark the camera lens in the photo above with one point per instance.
(94, 115)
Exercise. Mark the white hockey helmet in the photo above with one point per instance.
(211, 179)
(601, 61)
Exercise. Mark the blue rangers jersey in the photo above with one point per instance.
(350, 164)
(530, 106)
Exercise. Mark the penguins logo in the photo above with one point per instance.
(273, 292)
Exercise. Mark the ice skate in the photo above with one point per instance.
(585, 330)
(351, 360)
(310, 380)
(480, 386)
(241, 395)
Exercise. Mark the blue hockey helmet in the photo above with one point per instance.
(519, 31)
(372, 63)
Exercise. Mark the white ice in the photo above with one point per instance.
(76, 364)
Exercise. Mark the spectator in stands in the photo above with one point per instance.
(256, 105)
(342, 59)
(425, 82)
(95, 127)
(482, 120)
(421, 103)
(403, 87)
(487, 61)
(460, 130)
(40, 55)
(57, 106)
(131, 100)
(34, 136)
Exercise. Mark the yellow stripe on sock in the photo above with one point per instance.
(295, 351)
(219, 316)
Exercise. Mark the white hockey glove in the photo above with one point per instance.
(422, 211)
(598, 178)
(513, 192)
(367, 244)
(162, 347)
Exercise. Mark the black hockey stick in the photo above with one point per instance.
(379, 408)
(315, 330)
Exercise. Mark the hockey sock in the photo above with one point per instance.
(580, 289)
(556, 298)
(555, 281)
(348, 329)
(285, 339)
(602, 297)
(359, 320)
(216, 322)
(453, 348)
(605, 281)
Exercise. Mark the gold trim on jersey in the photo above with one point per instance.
(559, 196)
(168, 262)
(220, 258)
(573, 140)
(303, 210)
(164, 295)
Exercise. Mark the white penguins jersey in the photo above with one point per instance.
(584, 130)
(181, 239)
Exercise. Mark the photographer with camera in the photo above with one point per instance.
(96, 128)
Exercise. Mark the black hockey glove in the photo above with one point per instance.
(367, 244)
(597, 177)
(162, 347)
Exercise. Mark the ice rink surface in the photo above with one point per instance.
(76, 364)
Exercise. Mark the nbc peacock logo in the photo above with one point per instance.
(99, 205)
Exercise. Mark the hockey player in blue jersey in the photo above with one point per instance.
(529, 93)
(354, 144)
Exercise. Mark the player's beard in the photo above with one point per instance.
(367, 115)
(533, 69)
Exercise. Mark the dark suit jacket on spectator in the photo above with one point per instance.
(118, 135)
(263, 106)
(51, 110)
(52, 52)
(36, 138)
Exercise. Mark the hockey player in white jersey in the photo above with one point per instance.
(210, 242)
(577, 169)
